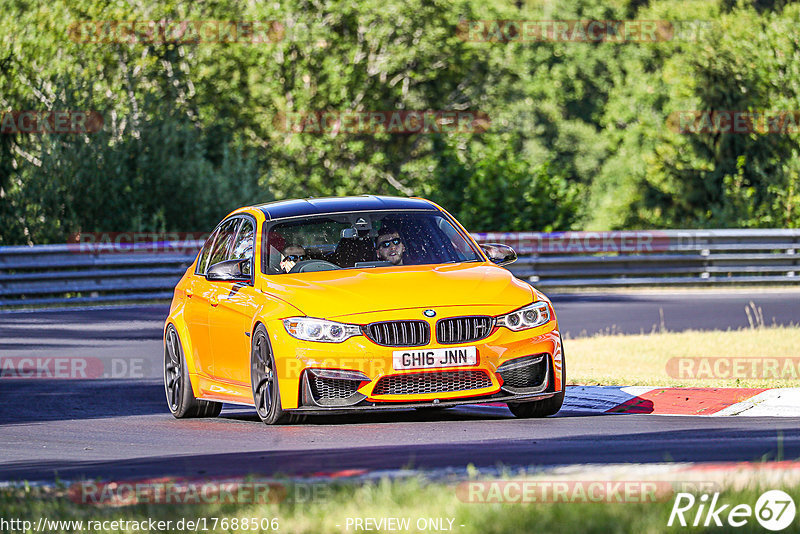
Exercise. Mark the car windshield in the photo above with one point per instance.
(364, 240)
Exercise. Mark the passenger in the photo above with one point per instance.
(291, 255)
(390, 246)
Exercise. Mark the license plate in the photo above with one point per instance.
(433, 358)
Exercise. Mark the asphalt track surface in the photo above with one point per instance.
(120, 429)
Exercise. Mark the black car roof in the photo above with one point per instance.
(321, 206)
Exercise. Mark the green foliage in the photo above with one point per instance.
(579, 137)
(365, 56)
(487, 188)
(745, 60)
(154, 166)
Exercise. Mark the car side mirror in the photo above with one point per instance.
(229, 271)
(499, 254)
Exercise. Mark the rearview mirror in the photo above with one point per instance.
(230, 271)
(499, 254)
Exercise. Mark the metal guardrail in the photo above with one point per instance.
(654, 257)
(59, 274)
(79, 274)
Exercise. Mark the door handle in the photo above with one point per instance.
(189, 292)
(213, 300)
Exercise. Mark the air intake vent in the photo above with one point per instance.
(523, 373)
(399, 333)
(463, 329)
(330, 388)
(439, 382)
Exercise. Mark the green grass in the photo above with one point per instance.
(641, 360)
(413, 499)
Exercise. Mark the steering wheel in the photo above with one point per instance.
(310, 266)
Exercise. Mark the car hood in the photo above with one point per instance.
(330, 294)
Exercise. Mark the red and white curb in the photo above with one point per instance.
(755, 402)
(781, 402)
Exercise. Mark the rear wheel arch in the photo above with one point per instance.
(181, 399)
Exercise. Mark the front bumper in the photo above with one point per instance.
(299, 364)
(378, 406)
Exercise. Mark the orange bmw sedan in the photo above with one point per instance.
(330, 305)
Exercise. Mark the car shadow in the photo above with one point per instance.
(461, 413)
(700, 443)
(41, 400)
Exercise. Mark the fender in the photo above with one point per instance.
(176, 319)
(289, 388)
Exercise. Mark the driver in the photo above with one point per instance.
(290, 256)
(390, 246)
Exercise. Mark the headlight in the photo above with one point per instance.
(310, 329)
(530, 316)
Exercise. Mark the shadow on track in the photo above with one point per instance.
(713, 445)
(470, 413)
(35, 400)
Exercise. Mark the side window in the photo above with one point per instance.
(224, 240)
(459, 244)
(243, 246)
(202, 262)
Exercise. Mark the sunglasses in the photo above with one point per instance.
(294, 257)
(386, 244)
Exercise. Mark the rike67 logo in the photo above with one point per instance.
(774, 510)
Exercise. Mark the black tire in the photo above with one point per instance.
(546, 407)
(264, 382)
(180, 397)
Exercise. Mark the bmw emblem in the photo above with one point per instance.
(429, 313)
